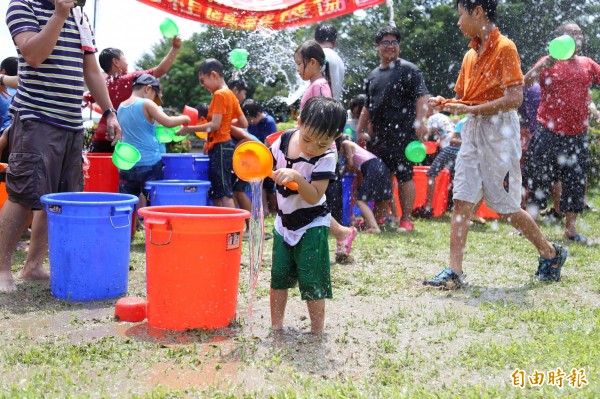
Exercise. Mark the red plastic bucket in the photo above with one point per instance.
(193, 258)
(3, 194)
(440, 193)
(102, 175)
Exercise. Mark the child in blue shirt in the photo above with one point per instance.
(138, 116)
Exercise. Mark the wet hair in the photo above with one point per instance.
(239, 84)
(325, 116)
(387, 30)
(252, 108)
(10, 65)
(562, 28)
(107, 56)
(358, 101)
(325, 33)
(311, 49)
(202, 109)
(488, 6)
(210, 65)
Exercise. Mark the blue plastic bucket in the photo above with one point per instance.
(89, 236)
(177, 192)
(347, 198)
(185, 166)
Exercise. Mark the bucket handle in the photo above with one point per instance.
(194, 162)
(120, 210)
(162, 222)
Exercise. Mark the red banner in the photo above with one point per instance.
(252, 14)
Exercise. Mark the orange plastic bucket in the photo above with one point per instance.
(193, 258)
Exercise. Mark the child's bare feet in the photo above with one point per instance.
(7, 283)
(34, 274)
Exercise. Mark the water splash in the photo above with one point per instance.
(257, 235)
(390, 5)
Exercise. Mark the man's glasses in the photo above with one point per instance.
(388, 43)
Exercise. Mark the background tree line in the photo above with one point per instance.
(430, 39)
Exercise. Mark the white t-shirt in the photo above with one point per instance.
(442, 126)
(295, 215)
(337, 70)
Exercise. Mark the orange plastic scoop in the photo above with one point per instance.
(3, 166)
(252, 161)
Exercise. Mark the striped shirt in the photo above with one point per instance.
(295, 215)
(51, 93)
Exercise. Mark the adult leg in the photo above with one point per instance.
(38, 249)
(278, 300)
(12, 221)
(316, 312)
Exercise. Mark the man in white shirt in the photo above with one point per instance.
(326, 36)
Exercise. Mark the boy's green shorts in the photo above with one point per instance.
(306, 263)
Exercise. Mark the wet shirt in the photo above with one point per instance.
(226, 104)
(120, 88)
(485, 77)
(52, 92)
(392, 95)
(138, 132)
(565, 94)
(295, 215)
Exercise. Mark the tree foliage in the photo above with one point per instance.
(430, 39)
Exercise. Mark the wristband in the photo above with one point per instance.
(108, 111)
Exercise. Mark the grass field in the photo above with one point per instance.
(387, 336)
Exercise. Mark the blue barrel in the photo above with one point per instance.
(185, 166)
(89, 235)
(177, 192)
(347, 196)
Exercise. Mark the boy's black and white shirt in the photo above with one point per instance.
(295, 215)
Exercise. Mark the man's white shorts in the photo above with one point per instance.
(488, 162)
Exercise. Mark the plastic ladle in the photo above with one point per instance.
(3, 166)
(252, 161)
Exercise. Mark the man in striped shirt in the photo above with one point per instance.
(56, 55)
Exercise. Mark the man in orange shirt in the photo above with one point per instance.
(224, 107)
(490, 89)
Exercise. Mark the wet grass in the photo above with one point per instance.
(387, 335)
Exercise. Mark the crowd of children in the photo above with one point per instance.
(483, 151)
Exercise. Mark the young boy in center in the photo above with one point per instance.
(490, 89)
(223, 109)
(300, 247)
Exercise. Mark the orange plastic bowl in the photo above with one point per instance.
(252, 161)
(3, 166)
(132, 309)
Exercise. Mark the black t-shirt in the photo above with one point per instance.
(392, 94)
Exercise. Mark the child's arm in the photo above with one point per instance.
(167, 62)
(241, 121)
(349, 150)
(455, 140)
(512, 99)
(156, 114)
(240, 135)
(310, 192)
(212, 126)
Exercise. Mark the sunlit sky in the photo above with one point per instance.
(125, 24)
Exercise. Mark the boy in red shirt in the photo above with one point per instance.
(490, 89)
(223, 109)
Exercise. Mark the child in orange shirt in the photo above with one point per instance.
(490, 89)
(224, 107)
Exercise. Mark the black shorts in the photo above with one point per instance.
(445, 159)
(134, 180)
(391, 152)
(376, 185)
(553, 157)
(220, 168)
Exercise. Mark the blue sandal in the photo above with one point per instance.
(578, 238)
